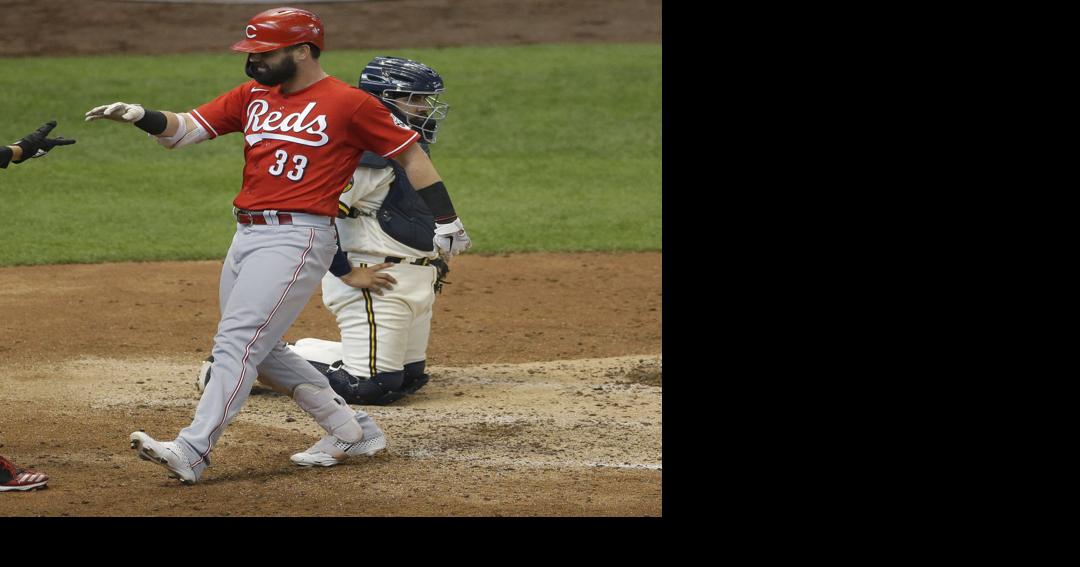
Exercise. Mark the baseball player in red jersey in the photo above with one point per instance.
(304, 132)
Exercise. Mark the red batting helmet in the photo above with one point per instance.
(281, 27)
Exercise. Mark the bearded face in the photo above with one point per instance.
(271, 69)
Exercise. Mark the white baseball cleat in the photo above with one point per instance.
(166, 454)
(330, 451)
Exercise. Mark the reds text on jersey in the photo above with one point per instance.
(300, 149)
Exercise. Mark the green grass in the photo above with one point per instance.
(546, 148)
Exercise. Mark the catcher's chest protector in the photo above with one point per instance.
(403, 215)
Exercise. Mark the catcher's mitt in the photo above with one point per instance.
(443, 268)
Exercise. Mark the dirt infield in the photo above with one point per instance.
(545, 396)
(546, 390)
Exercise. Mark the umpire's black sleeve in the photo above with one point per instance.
(5, 156)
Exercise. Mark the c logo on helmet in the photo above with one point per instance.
(250, 31)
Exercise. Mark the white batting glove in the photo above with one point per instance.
(450, 238)
(118, 111)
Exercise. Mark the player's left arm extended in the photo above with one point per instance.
(171, 130)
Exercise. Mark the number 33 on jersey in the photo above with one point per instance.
(282, 157)
(299, 145)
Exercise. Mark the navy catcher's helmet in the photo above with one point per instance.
(409, 89)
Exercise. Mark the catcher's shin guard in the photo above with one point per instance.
(383, 389)
(415, 377)
(389, 384)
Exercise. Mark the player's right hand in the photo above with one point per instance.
(370, 278)
(118, 111)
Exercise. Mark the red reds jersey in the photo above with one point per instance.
(301, 148)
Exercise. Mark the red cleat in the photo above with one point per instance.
(14, 478)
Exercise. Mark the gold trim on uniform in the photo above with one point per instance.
(372, 328)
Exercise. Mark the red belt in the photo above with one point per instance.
(258, 218)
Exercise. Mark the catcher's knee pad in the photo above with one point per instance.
(330, 411)
(324, 368)
(380, 390)
(415, 378)
(340, 380)
(389, 381)
(414, 370)
(385, 388)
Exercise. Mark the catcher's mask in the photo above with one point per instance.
(410, 90)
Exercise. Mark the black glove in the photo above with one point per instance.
(37, 144)
(443, 268)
